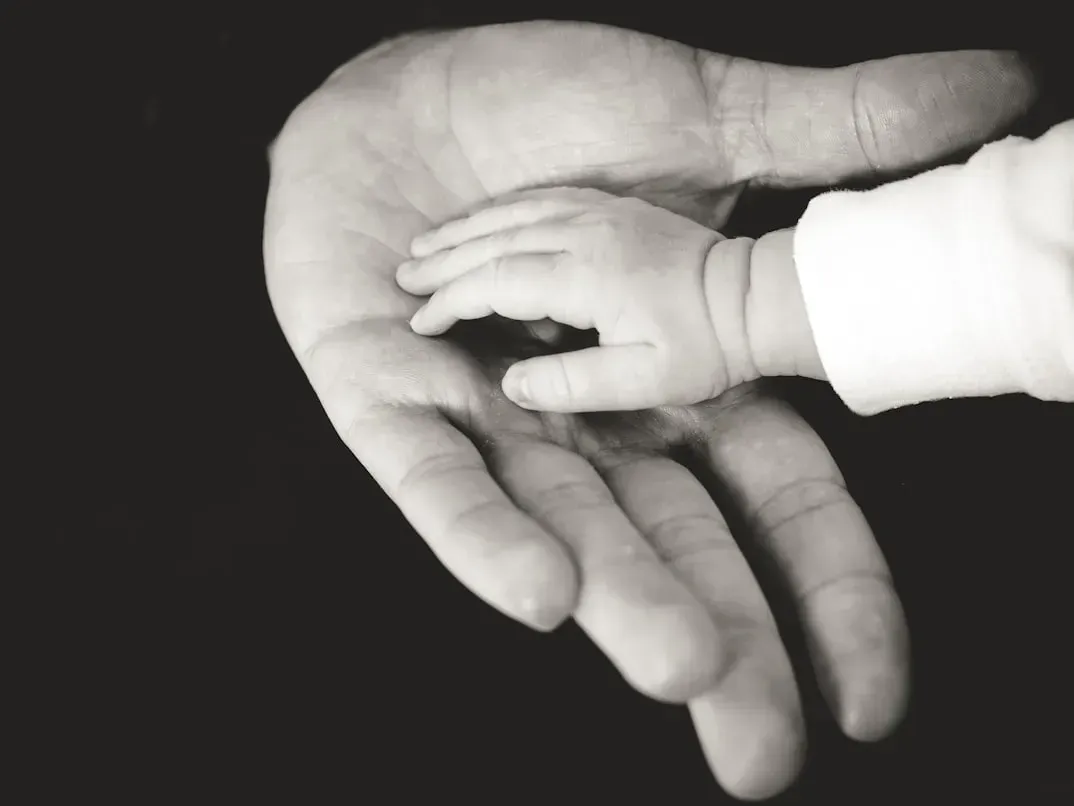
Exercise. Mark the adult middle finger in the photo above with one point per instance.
(749, 722)
(641, 616)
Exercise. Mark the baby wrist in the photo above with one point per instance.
(757, 309)
(726, 282)
(777, 323)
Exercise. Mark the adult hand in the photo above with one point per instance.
(545, 516)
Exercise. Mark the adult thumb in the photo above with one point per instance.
(796, 126)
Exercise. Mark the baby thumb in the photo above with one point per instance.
(618, 378)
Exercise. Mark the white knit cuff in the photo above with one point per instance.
(929, 288)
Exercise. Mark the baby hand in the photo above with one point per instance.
(591, 260)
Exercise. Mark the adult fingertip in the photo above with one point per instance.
(542, 615)
(861, 651)
(682, 657)
(983, 91)
(546, 595)
(871, 720)
(1020, 74)
(872, 710)
(766, 757)
(931, 105)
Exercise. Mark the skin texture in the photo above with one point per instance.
(547, 516)
(682, 314)
(631, 270)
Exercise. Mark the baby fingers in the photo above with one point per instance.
(425, 275)
(523, 287)
(509, 212)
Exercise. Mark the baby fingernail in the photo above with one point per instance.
(418, 319)
(516, 386)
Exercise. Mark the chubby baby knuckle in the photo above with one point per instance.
(563, 263)
(606, 231)
(493, 271)
(504, 241)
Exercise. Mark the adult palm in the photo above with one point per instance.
(548, 516)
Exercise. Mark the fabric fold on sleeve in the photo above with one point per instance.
(958, 282)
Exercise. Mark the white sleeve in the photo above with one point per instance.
(958, 282)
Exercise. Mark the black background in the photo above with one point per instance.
(230, 610)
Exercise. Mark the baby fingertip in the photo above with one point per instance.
(418, 322)
(419, 247)
(516, 386)
(408, 277)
